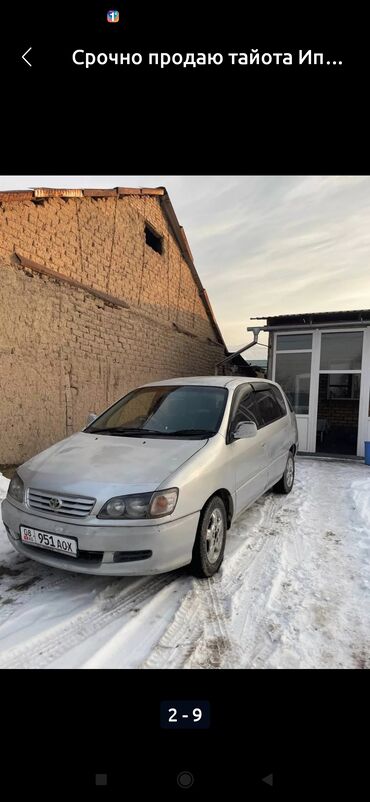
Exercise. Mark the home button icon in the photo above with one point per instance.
(185, 779)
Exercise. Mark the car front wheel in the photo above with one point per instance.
(209, 546)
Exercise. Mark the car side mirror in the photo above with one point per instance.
(90, 418)
(245, 429)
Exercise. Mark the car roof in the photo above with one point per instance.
(209, 381)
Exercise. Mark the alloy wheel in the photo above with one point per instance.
(215, 535)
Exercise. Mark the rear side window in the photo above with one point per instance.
(268, 407)
(246, 409)
(279, 398)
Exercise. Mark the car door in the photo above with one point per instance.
(249, 458)
(276, 428)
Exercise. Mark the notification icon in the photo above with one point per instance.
(112, 16)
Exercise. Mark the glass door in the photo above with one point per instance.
(293, 371)
(339, 392)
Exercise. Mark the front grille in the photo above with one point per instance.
(73, 506)
(131, 556)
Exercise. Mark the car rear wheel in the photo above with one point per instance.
(209, 546)
(285, 484)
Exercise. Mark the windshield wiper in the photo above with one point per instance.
(121, 430)
(126, 430)
(191, 432)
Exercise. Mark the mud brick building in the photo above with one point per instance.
(98, 293)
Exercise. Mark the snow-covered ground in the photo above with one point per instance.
(293, 592)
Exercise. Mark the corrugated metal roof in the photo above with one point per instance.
(314, 314)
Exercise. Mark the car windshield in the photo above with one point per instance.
(164, 411)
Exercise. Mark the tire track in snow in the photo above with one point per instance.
(199, 636)
(201, 618)
(40, 650)
(266, 535)
(215, 648)
(129, 641)
(177, 643)
(259, 627)
(241, 570)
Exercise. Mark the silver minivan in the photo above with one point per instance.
(155, 481)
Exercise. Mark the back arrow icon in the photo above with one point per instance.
(24, 57)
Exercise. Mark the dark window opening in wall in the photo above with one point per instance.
(153, 240)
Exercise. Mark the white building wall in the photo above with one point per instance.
(302, 424)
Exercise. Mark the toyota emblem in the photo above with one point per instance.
(55, 503)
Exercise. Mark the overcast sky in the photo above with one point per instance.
(263, 244)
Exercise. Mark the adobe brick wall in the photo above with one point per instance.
(65, 352)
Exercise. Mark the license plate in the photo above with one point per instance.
(44, 540)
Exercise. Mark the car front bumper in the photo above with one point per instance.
(108, 550)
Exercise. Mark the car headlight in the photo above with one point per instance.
(16, 488)
(143, 505)
(116, 507)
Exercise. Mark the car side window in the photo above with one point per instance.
(279, 398)
(246, 409)
(268, 407)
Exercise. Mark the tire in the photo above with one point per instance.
(208, 550)
(285, 484)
